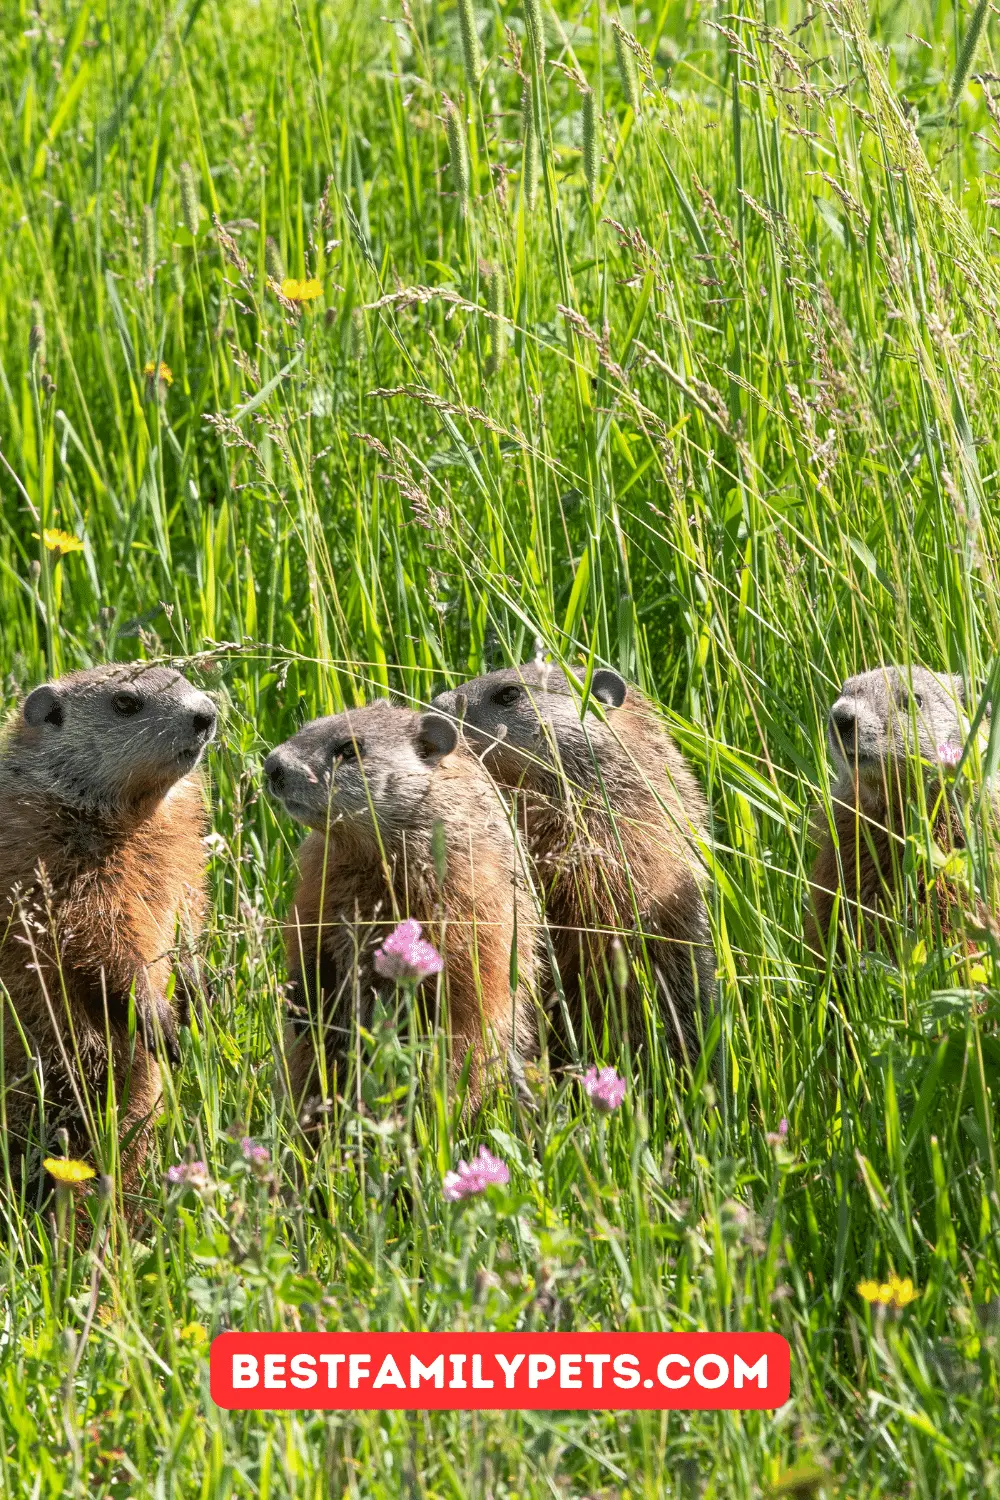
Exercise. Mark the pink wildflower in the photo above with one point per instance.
(407, 957)
(475, 1176)
(192, 1174)
(949, 754)
(604, 1088)
(777, 1137)
(257, 1156)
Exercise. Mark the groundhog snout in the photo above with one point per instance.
(275, 773)
(204, 719)
(285, 773)
(843, 721)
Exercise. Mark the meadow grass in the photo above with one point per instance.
(665, 340)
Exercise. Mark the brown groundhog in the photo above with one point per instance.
(373, 783)
(101, 855)
(891, 729)
(607, 806)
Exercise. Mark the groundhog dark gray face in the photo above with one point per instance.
(530, 716)
(896, 714)
(372, 765)
(112, 738)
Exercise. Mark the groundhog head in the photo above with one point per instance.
(526, 721)
(114, 738)
(367, 766)
(895, 716)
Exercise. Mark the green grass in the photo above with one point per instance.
(737, 436)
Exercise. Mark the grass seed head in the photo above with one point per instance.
(273, 261)
(36, 333)
(535, 29)
(358, 341)
(498, 329)
(591, 143)
(967, 52)
(148, 244)
(627, 71)
(472, 54)
(458, 148)
(190, 204)
(529, 181)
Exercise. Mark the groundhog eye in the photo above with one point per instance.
(908, 700)
(126, 704)
(506, 696)
(347, 750)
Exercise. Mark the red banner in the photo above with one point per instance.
(500, 1371)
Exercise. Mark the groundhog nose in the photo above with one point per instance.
(203, 721)
(843, 720)
(274, 771)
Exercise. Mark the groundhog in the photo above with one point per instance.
(101, 857)
(373, 784)
(608, 807)
(890, 729)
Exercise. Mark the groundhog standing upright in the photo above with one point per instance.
(373, 784)
(893, 732)
(609, 807)
(101, 859)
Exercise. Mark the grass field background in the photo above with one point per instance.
(687, 365)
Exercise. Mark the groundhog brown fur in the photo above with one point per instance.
(101, 857)
(889, 730)
(608, 806)
(372, 784)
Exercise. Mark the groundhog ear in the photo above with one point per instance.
(436, 737)
(608, 688)
(43, 706)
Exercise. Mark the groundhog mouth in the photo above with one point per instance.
(849, 750)
(853, 754)
(858, 760)
(189, 757)
(306, 812)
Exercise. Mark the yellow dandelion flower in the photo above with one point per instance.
(62, 542)
(67, 1171)
(301, 291)
(194, 1333)
(159, 372)
(895, 1292)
